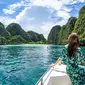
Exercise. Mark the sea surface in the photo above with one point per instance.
(25, 64)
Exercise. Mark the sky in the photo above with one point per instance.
(39, 15)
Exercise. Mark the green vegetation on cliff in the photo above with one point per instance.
(14, 34)
(66, 30)
(80, 25)
(17, 39)
(58, 34)
(53, 36)
(73, 25)
(3, 40)
(3, 31)
(62, 35)
(35, 37)
(15, 29)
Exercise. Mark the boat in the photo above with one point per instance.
(55, 76)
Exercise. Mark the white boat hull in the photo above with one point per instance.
(55, 76)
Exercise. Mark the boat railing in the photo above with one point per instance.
(42, 80)
(45, 76)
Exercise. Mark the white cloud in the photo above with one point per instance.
(13, 7)
(76, 1)
(23, 18)
(81, 0)
(8, 11)
(22, 14)
(47, 3)
(56, 4)
(6, 20)
(63, 14)
(24, 24)
(18, 4)
(47, 26)
(66, 9)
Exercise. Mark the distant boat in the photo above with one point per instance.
(55, 76)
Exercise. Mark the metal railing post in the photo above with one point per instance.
(42, 81)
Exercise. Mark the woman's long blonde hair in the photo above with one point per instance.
(73, 44)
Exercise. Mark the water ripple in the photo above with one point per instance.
(25, 64)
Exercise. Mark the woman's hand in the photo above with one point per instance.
(52, 65)
(57, 62)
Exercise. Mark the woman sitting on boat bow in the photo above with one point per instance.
(74, 59)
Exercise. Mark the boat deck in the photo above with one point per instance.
(55, 76)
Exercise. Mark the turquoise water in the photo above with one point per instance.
(25, 64)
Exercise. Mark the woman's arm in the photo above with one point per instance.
(57, 62)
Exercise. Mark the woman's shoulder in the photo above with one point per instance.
(79, 49)
(66, 46)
